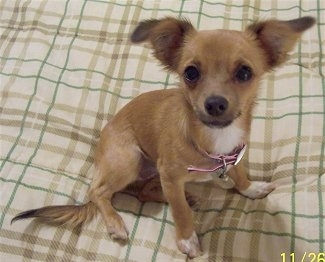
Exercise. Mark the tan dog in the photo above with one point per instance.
(193, 133)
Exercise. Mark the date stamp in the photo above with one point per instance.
(306, 257)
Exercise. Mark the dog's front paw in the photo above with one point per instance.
(258, 189)
(190, 246)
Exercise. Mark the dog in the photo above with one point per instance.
(196, 132)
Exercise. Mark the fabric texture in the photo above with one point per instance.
(68, 66)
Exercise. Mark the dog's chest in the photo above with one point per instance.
(223, 141)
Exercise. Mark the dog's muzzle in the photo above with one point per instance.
(216, 112)
(216, 105)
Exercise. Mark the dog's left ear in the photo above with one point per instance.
(166, 36)
(277, 38)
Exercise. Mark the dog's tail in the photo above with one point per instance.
(61, 215)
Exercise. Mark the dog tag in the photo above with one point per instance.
(224, 181)
(219, 174)
(240, 155)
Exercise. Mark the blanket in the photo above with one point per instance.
(68, 66)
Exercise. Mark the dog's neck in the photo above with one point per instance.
(223, 140)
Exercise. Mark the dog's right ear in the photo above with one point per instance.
(166, 36)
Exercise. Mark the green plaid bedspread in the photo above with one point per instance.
(68, 66)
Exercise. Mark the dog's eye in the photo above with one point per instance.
(191, 74)
(244, 73)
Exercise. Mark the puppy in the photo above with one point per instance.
(196, 132)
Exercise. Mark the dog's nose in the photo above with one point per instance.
(216, 105)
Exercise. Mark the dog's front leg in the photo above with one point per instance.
(186, 238)
(251, 189)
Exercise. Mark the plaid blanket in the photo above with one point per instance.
(68, 66)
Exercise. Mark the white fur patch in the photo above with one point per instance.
(258, 189)
(226, 139)
(190, 246)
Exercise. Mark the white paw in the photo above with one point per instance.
(258, 189)
(190, 246)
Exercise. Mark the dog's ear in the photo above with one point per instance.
(277, 38)
(166, 36)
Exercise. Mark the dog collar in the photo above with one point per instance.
(224, 163)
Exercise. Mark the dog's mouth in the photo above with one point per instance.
(218, 122)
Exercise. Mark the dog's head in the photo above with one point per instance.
(220, 70)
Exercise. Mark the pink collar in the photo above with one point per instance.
(224, 162)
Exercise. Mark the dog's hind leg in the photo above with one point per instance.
(116, 165)
(108, 180)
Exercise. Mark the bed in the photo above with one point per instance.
(68, 66)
